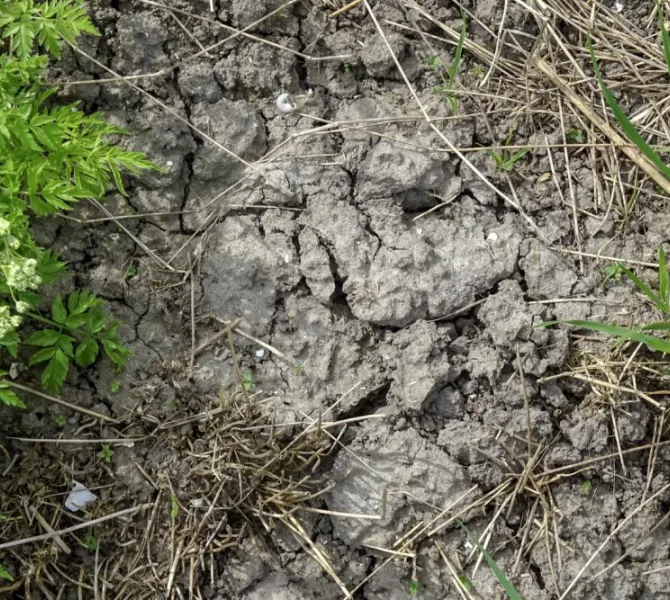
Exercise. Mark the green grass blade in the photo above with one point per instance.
(664, 34)
(662, 326)
(506, 584)
(621, 332)
(459, 50)
(644, 288)
(625, 124)
(663, 282)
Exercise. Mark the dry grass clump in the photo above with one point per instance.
(238, 475)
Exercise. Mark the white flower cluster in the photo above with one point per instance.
(8, 322)
(21, 274)
(22, 307)
(6, 232)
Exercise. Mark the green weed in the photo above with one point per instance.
(115, 387)
(74, 333)
(448, 76)
(413, 587)
(248, 382)
(665, 36)
(61, 421)
(577, 135)
(106, 453)
(91, 542)
(174, 507)
(614, 272)
(660, 299)
(464, 580)
(5, 574)
(621, 118)
(130, 272)
(585, 487)
(298, 368)
(51, 157)
(506, 159)
(505, 583)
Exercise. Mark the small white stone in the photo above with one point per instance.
(80, 497)
(618, 6)
(169, 163)
(260, 353)
(285, 103)
(492, 237)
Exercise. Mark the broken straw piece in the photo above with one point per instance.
(79, 497)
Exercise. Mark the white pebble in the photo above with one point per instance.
(260, 353)
(79, 497)
(492, 237)
(285, 103)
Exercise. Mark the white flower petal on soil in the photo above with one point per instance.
(80, 497)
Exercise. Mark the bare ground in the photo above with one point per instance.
(334, 310)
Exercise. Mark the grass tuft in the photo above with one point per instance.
(624, 122)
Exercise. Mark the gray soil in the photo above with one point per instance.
(317, 240)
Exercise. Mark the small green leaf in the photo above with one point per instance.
(61, 421)
(5, 574)
(44, 338)
(116, 352)
(82, 302)
(75, 321)
(11, 343)
(41, 356)
(465, 582)
(95, 320)
(73, 302)
(56, 371)
(174, 507)
(248, 382)
(50, 267)
(453, 70)
(106, 453)
(9, 398)
(65, 344)
(91, 543)
(58, 311)
(663, 283)
(577, 135)
(86, 352)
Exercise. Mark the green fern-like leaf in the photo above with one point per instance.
(48, 22)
